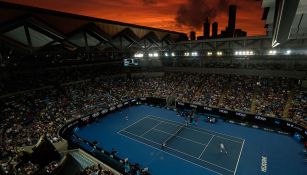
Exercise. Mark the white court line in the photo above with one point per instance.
(239, 158)
(152, 116)
(152, 128)
(179, 151)
(180, 137)
(197, 129)
(172, 123)
(228, 139)
(205, 148)
(177, 124)
(169, 153)
(134, 123)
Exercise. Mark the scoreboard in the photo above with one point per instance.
(131, 62)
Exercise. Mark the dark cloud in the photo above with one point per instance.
(195, 12)
(149, 2)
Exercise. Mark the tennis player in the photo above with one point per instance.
(126, 116)
(222, 148)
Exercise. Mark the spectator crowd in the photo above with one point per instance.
(28, 115)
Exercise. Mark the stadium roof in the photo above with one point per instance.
(285, 19)
(32, 28)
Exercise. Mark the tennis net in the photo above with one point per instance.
(180, 128)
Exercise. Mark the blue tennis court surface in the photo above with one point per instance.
(195, 145)
(195, 150)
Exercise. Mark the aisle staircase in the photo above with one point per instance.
(198, 91)
(288, 104)
(223, 94)
(254, 100)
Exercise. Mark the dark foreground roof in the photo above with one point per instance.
(33, 27)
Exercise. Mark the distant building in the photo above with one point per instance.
(232, 14)
(223, 34)
(207, 29)
(240, 33)
(183, 37)
(200, 38)
(192, 35)
(230, 30)
(214, 30)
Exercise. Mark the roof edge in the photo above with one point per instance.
(82, 17)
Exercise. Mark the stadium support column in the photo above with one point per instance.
(121, 42)
(175, 61)
(86, 46)
(1, 58)
(201, 61)
(28, 36)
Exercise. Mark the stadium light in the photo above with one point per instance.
(272, 52)
(166, 54)
(244, 52)
(194, 54)
(139, 55)
(288, 52)
(209, 53)
(173, 54)
(219, 53)
(150, 55)
(155, 54)
(186, 54)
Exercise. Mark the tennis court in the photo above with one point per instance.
(192, 144)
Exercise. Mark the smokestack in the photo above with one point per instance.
(214, 29)
(207, 29)
(232, 14)
(192, 35)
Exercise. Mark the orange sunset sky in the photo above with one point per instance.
(176, 15)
